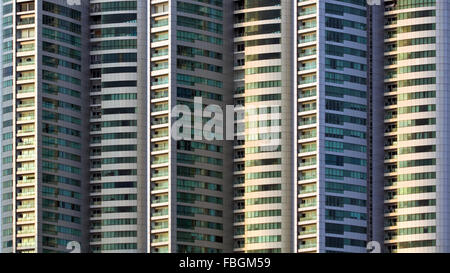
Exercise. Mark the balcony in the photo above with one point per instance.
(160, 23)
(25, 7)
(307, 107)
(307, 135)
(25, 21)
(308, 149)
(307, 39)
(160, 38)
(160, 52)
(160, 161)
(25, 90)
(307, 93)
(306, 163)
(26, 181)
(307, 245)
(25, 231)
(161, 173)
(160, 148)
(160, 66)
(162, 133)
(304, 52)
(307, 67)
(25, 157)
(307, 25)
(25, 118)
(161, 212)
(32, 62)
(160, 108)
(307, 121)
(26, 105)
(25, 206)
(160, 81)
(25, 143)
(26, 194)
(26, 245)
(308, 231)
(160, 121)
(307, 11)
(160, 95)
(308, 203)
(306, 190)
(307, 80)
(307, 177)
(160, 199)
(26, 219)
(26, 77)
(164, 249)
(160, 225)
(26, 169)
(26, 47)
(161, 187)
(161, 239)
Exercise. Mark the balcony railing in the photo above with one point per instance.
(310, 245)
(25, 21)
(162, 199)
(26, 48)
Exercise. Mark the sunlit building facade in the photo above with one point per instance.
(332, 119)
(44, 179)
(263, 171)
(189, 180)
(339, 137)
(416, 117)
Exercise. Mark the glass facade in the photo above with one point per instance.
(332, 126)
(262, 171)
(410, 126)
(114, 94)
(340, 126)
(188, 59)
(43, 108)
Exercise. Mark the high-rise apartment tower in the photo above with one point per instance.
(339, 138)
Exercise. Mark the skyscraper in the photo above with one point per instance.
(332, 135)
(263, 162)
(117, 126)
(416, 116)
(189, 205)
(339, 139)
(45, 170)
